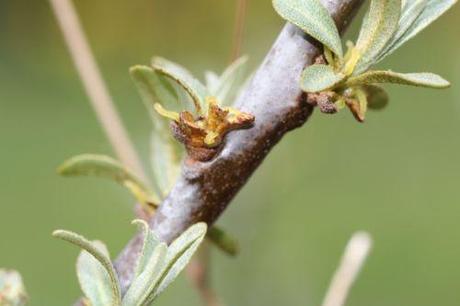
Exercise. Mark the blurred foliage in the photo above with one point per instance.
(395, 176)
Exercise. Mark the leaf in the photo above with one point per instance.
(379, 26)
(229, 84)
(185, 79)
(143, 285)
(179, 254)
(150, 242)
(12, 290)
(314, 19)
(93, 277)
(318, 78)
(223, 241)
(429, 80)
(107, 167)
(411, 9)
(166, 153)
(377, 97)
(433, 10)
(100, 255)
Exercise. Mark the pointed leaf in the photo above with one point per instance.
(379, 26)
(318, 78)
(230, 82)
(433, 10)
(150, 242)
(314, 19)
(143, 285)
(179, 254)
(223, 240)
(107, 167)
(429, 80)
(377, 97)
(184, 78)
(411, 9)
(93, 277)
(101, 256)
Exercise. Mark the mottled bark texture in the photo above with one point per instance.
(204, 189)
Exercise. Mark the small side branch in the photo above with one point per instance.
(94, 85)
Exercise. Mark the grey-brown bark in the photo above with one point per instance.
(204, 190)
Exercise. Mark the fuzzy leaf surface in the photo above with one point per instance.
(429, 80)
(318, 78)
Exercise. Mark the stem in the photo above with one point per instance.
(95, 86)
(353, 259)
(238, 31)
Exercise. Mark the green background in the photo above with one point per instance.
(396, 176)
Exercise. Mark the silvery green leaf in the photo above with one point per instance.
(179, 254)
(429, 80)
(230, 82)
(379, 26)
(433, 10)
(107, 167)
(12, 290)
(185, 79)
(166, 153)
(100, 255)
(377, 97)
(93, 277)
(318, 78)
(314, 19)
(143, 284)
(223, 240)
(410, 11)
(212, 81)
(149, 244)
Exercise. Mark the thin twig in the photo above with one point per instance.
(198, 271)
(94, 85)
(238, 31)
(353, 259)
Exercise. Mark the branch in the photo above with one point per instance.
(94, 85)
(204, 190)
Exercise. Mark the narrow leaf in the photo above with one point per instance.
(318, 78)
(379, 26)
(314, 19)
(230, 82)
(143, 285)
(149, 244)
(410, 11)
(433, 10)
(223, 241)
(98, 254)
(185, 79)
(107, 167)
(377, 97)
(93, 277)
(179, 254)
(429, 80)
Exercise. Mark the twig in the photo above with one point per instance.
(204, 190)
(238, 31)
(353, 259)
(198, 271)
(94, 85)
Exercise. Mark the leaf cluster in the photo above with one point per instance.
(387, 25)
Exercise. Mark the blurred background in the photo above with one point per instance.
(396, 176)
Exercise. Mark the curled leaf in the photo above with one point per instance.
(314, 19)
(101, 255)
(379, 26)
(318, 78)
(107, 167)
(429, 80)
(185, 79)
(150, 242)
(93, 277)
